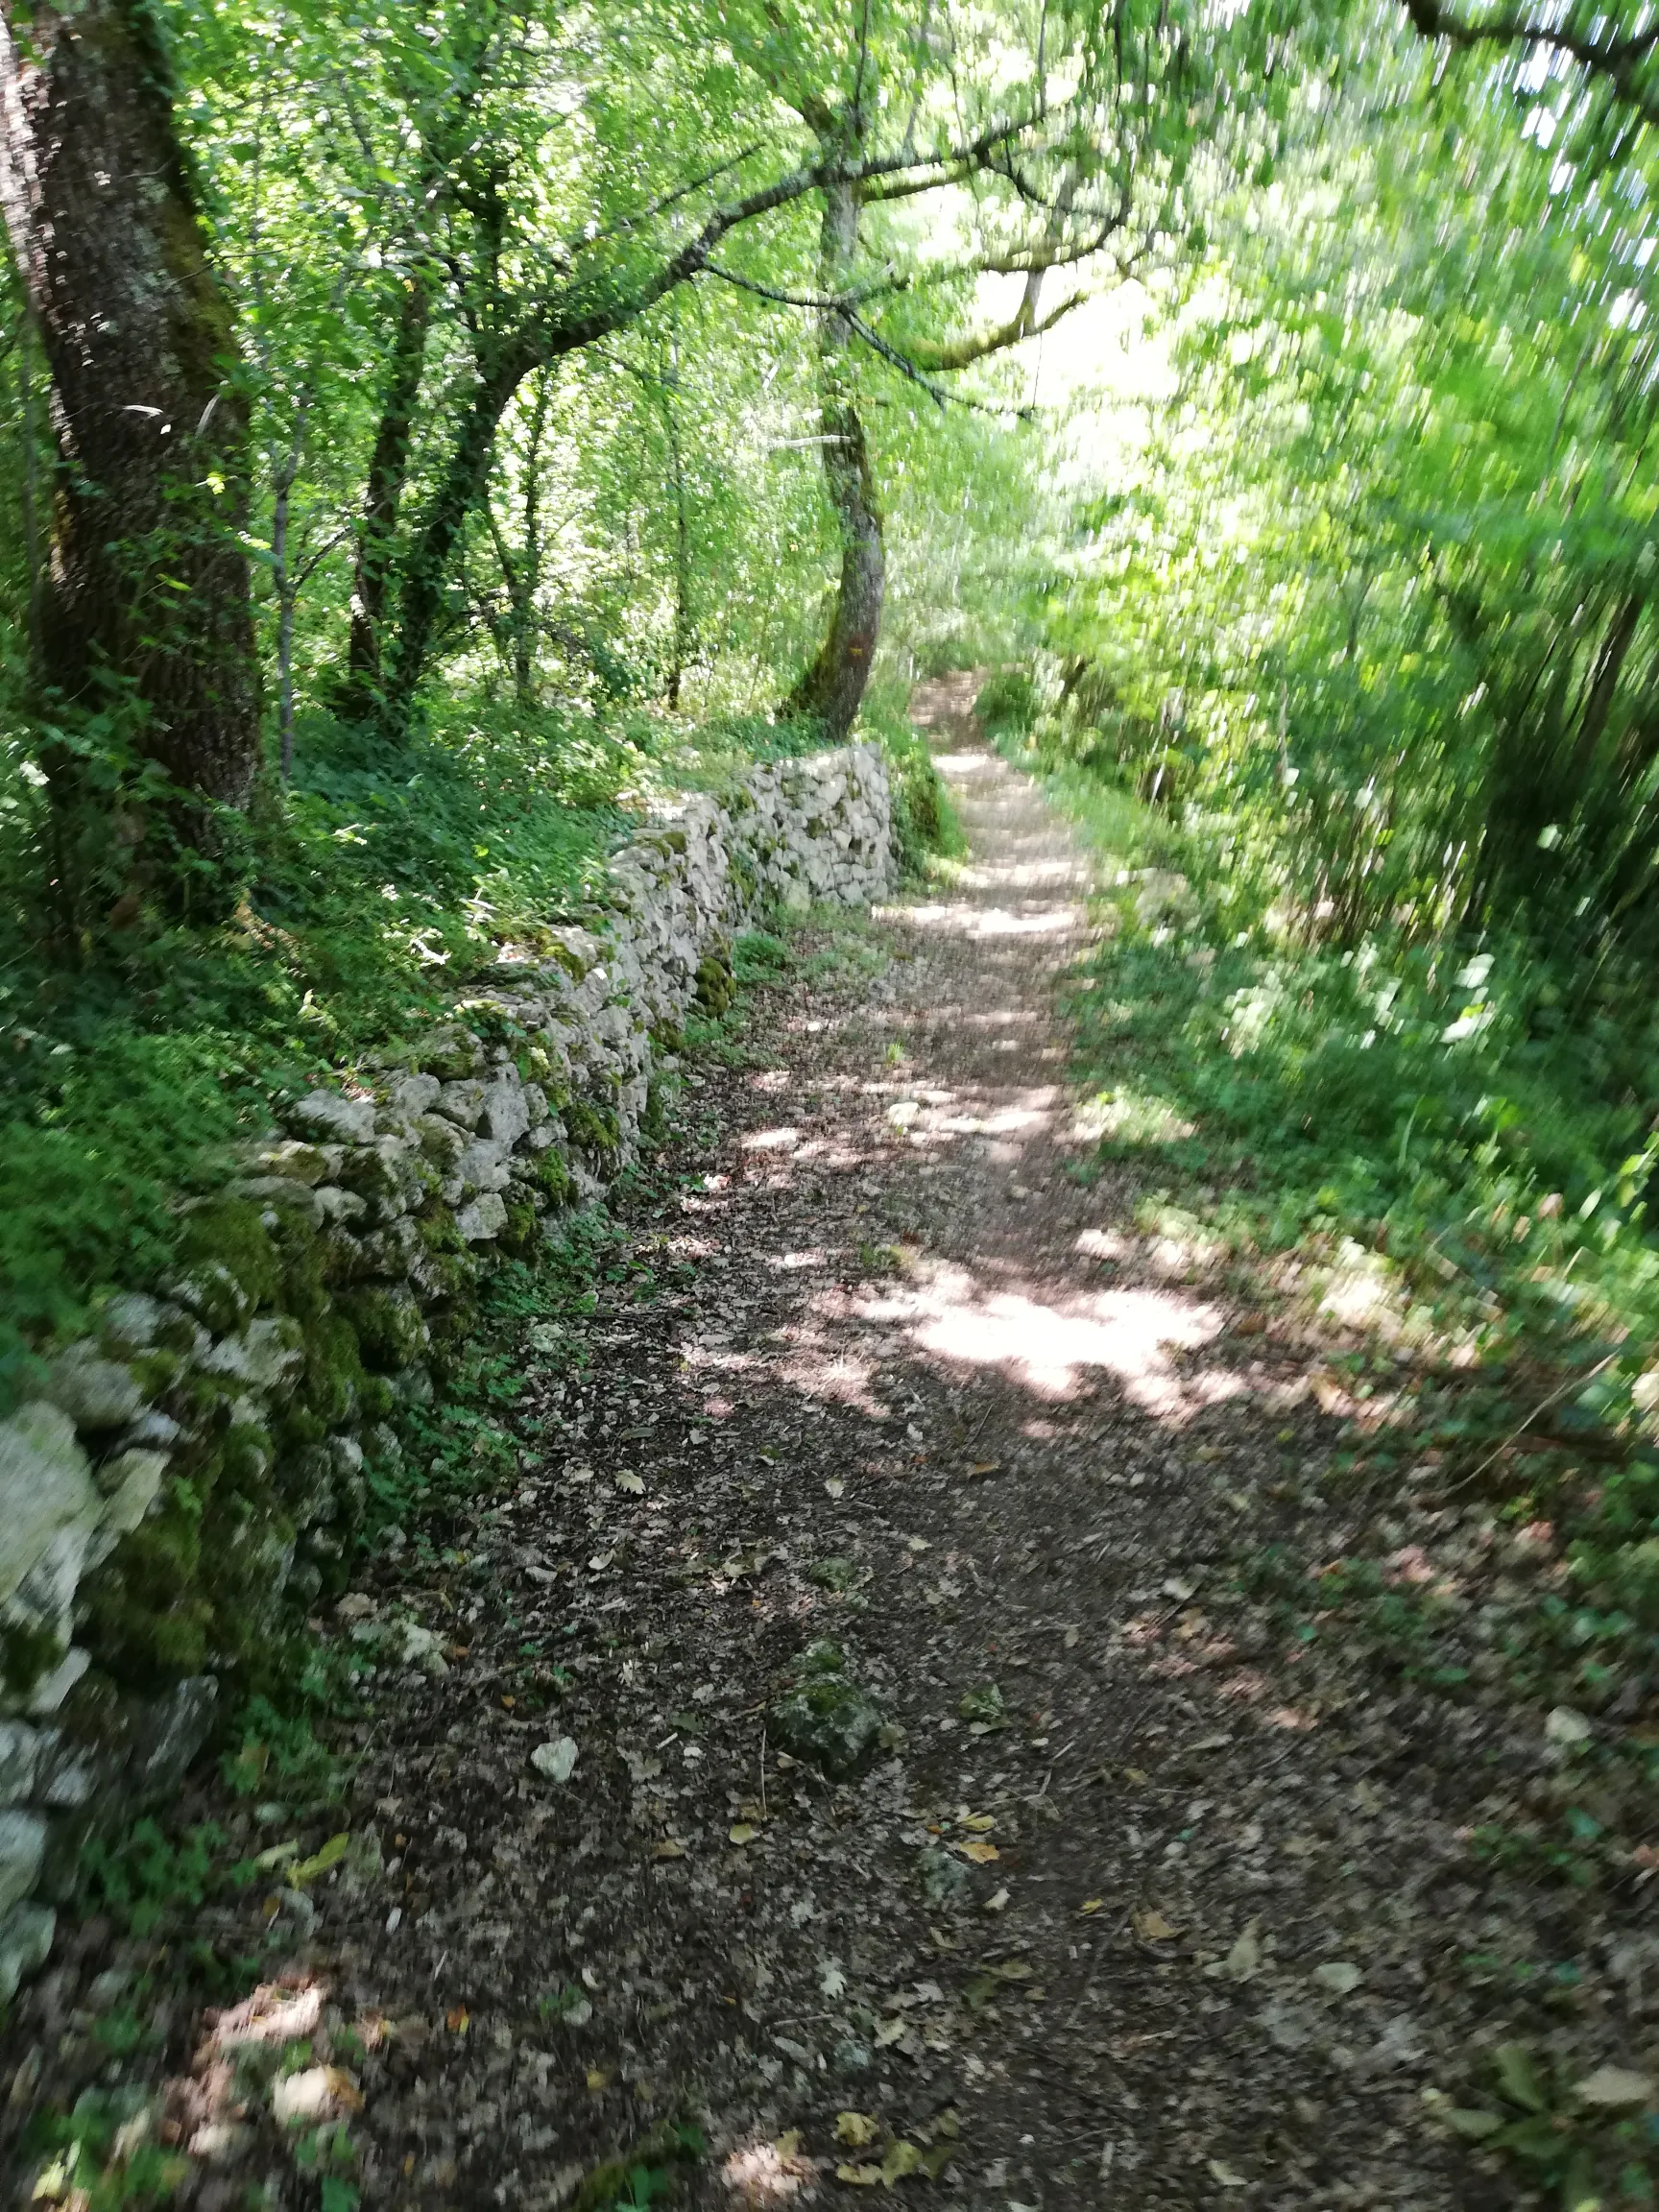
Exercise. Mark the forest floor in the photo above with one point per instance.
(1133, 1907)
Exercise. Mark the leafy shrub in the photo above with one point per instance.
(1007, 703)
(923, 820)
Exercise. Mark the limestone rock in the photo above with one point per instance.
(483, 1165)
(266, 1355)
(213, 1294)
(506, 1111)
(348, 1120)
(484, 1219)
(276, 1194)
(19, 1760)
(828, 1719)
(46, 1490)
(22, 1847)
(170, 1733)
(131, 1483)
(291, 1158)
(50, 1690)
(450, 1052)
(414, 1095)
(133, 1321)
(339, 1205)
(461, 1103)
(96, 1393)
(26, 1936)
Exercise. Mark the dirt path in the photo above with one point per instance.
(1115, 1918)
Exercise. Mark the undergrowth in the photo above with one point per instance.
(381, 884)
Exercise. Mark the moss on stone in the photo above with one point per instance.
(26, 1653)
(391, 1329)
(154, 1372)
(555, 1178)
(522, 1227)
(595, 1130)
(654, 1121)
(451, 1054)
(452, 1263)
(228, 1233)
(333, 1380)
(147, 1614)
(379, 1400)
(716, 986)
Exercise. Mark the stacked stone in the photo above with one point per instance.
(201, 1463)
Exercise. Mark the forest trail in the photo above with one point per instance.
(1093, 1930)
(1119, 1915)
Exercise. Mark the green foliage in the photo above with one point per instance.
(1007, 703)
(101, 2155)
(277, 1755)
(143, 1876)
(657, 2171)
(1589, 2159)
(925, 825)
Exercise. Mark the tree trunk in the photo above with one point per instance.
(144, 604)
(685, 628)
(832, 689)
(427, 570)
(388, 469)
(524, 578)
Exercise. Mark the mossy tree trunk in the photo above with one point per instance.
(832, 688)
(144, 635)
(383, 493)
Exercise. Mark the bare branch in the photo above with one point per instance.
(907, 369)
(668, 200)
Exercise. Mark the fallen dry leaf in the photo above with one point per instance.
(1614, 2087)
(1151, 1926)
(857, 2129)
(982, 1854)
(901, 2159)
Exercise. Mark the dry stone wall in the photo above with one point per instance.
(192, 1475)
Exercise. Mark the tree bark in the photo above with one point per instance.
(426, 571)
(144, 601)
(832, 688)
(383, 494)
(684, 626)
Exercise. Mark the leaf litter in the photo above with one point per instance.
(1242, 1927)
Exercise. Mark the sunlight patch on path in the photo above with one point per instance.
(1050, 1347)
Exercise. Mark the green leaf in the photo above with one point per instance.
(320, 1862)
(1517, 2078)
(1472, 2123)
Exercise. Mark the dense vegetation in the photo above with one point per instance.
(1347, 653)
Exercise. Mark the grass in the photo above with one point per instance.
(381, 887)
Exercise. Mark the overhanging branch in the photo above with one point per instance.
(1612, 61)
